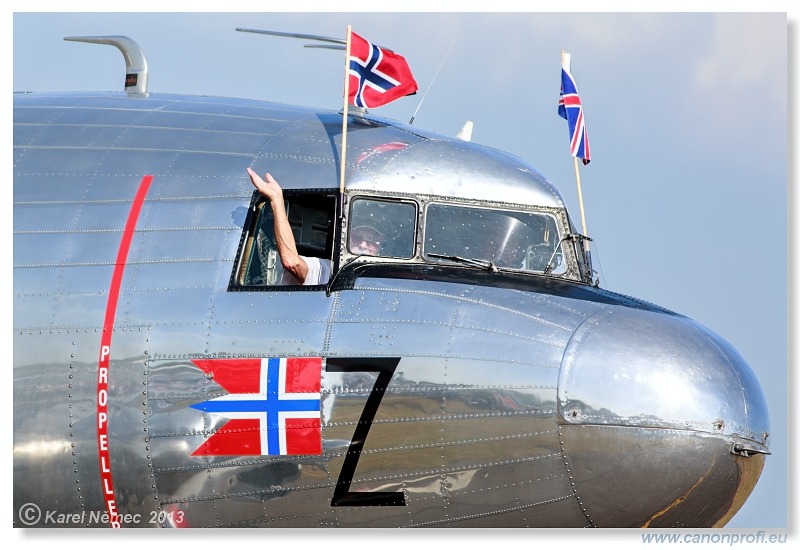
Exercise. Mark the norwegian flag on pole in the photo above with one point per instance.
(569, 107)
(273, 406)
(377, 75)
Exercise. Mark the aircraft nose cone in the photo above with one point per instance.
(658, 414)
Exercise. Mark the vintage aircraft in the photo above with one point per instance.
(469, 372)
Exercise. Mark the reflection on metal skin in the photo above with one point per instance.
(630, 367)
(648, 398)
(614, 471)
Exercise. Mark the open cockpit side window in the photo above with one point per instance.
(311, 217)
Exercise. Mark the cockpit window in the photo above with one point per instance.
(506, 239)
(382, 228)
(311, 219)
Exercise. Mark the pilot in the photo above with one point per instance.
(301, 270)
(365, 240)
(510, 256)
(509, 241)
(502, 251)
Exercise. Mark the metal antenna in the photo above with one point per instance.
(431, 82)
(339, 41)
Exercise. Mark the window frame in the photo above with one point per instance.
(413, 233)
(253, 221)
(562, 270)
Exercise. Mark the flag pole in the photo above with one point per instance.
(344, 115)
(580, 199)
(565, 57)
(342, 154)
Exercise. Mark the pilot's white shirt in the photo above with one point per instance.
(319, 271)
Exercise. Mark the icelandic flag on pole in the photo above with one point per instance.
(273, 406)
(377, 75)
(569, 107)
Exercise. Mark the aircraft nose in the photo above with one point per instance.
(658, 414)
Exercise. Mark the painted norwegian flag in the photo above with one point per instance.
(569, 107)
(377, 75)
(273, 406)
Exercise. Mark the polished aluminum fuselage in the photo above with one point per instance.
(518, 399)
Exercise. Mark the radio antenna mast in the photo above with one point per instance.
(431, 82)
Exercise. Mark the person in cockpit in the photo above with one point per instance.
(302, 270)
(365, 240)
(306, 270)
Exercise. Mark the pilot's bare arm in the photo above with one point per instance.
(287, 249)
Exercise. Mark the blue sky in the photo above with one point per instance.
(686, 197)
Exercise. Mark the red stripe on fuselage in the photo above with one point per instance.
(106, 479)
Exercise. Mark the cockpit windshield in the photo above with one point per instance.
(382, 228)
(504, 239)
